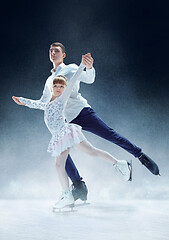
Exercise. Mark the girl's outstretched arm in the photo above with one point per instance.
(29, 103)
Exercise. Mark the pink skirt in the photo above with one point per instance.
(69, 136)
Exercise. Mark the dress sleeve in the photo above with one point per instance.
(66, 94)
(37, 104)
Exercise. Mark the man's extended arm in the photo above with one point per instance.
(88, 76)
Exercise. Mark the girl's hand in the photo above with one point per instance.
(16, 99)
(87, 60)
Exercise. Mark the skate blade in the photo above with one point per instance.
(82, 204)
(70, 208)
(64, 211)
(130, 166)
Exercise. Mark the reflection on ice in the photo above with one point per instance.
(128, 220)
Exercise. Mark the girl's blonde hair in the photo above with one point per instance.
(60, 79)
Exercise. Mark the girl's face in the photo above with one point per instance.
(58, 89)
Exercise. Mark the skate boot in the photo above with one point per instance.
(79, 190)
(125, 169)
(149, 163)
(66, 200)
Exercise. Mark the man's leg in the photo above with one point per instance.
(89, 121)
(79, 187)
(71, 170)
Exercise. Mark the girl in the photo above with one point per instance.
(66, 135)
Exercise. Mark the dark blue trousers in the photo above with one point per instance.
(89, 121)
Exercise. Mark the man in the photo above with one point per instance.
(78, 111)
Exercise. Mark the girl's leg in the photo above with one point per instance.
(87, 147)
(66, 198)
(123, 166)
(60, 167)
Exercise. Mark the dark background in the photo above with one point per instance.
(129, 41)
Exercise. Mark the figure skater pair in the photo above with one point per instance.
(66, 135)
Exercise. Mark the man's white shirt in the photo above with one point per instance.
(76, 102)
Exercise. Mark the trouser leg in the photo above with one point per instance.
(89, 121)
(71, 170)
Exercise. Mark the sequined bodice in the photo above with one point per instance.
(54, 116)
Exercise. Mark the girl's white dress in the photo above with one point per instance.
(64, 135)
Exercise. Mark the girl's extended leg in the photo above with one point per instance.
(122, 165)
(88, 148)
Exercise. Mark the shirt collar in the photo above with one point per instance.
(58, 68)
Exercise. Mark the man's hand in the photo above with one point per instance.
(87, 60)
(16, 99)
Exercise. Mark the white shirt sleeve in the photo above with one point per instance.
(87, 76)
(47, 94)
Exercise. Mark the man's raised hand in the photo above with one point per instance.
(87, 60)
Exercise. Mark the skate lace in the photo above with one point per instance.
(72, 187)
(63, 195)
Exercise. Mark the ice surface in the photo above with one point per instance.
(112, 220)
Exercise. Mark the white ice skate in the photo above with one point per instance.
(125, 169)
(66, 200)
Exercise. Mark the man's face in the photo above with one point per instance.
(56, 55)
(58, 89)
